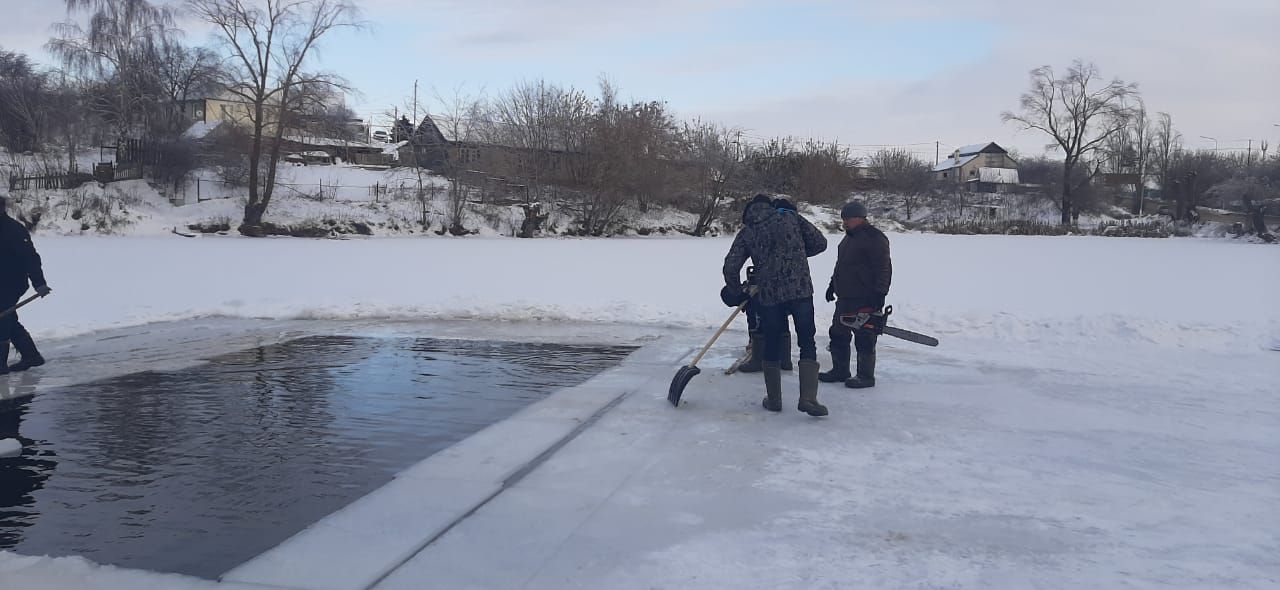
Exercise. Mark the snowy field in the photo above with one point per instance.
(1101, 413)
(1052, 292)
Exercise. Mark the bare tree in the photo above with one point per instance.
(825, 173)
(904, 173)
(1130, 151)
(458, 121)
(1078, 111)
(268, 50)
(24, 93)
(1166, 143)
(119, 50)
(187, 71)
(719, 172)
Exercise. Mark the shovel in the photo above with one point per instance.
(688, 372)
(20, 305)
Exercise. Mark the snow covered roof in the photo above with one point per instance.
(998, 175)
(328, 142)
(200, 129)
(974, 148)
(953, 162)
(393, 149)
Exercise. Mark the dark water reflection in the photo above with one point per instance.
(199, 470)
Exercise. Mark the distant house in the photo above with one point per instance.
(212, 110)
(981, 167)
(440, 141)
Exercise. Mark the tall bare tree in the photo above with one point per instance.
(458, 120)
(24, 92)
(1166, 143)
(118, 50)
(1079, 111)
(719, 171)
(1130, 151)
(269, 47)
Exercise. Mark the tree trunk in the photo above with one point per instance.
(1066, 192)
(252, 226)
(252, 220)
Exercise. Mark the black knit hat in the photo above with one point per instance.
(853, 209)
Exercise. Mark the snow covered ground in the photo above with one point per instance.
(1052, 292)
(1101, 413)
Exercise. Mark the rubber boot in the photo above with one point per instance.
(757, 353)
(785, 361)
(26, 347)
(4, 357)
(772, 387)
(809, 389)
(839, 367)
(866, 376)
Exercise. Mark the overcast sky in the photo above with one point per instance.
(897, 72)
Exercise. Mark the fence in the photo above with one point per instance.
(204, 189)
(68, 180)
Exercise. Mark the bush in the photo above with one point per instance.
(1007, 228)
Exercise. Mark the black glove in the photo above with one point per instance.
(733, 296)
(831, 291)
(43, 290)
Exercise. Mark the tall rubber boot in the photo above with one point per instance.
(785, 361)
(26, 347)
(772, 387)
(4, 357)
(757, 353)
(866, 376)
(809, 389)
(839, 366)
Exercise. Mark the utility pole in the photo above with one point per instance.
(415, 104)
(937, 153)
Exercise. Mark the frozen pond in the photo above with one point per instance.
(198, 470)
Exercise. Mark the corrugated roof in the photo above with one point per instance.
(950, 163)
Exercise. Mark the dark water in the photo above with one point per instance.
(199, 470)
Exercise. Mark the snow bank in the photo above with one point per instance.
(65, 573)
(1046, 291)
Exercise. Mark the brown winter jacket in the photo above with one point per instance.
(864, 269)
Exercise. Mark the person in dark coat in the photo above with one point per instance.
(859, 284)
(20, 267)
(778, 241)
(755, 334)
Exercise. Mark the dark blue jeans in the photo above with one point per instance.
(773, 319)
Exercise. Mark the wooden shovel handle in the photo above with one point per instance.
(725, 326)
(5, 313)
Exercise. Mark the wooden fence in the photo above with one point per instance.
(48, 181)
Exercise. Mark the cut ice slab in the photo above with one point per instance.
(10, 447)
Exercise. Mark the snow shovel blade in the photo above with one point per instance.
(682, 378)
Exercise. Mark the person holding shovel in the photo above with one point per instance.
(778, 241)
(20, 268)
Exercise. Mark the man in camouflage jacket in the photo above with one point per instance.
(778, 241)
